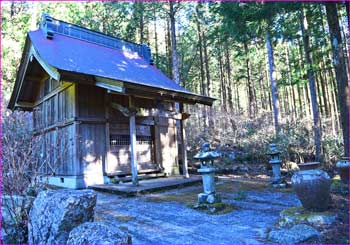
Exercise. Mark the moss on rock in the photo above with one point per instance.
(299, 215)
(215, 208)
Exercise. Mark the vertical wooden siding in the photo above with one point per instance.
(91, 128)
(53, 117)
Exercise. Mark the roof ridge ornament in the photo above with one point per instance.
(50, 25)
(45, 25)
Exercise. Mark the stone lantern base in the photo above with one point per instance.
(209, 195)
(277, 180)
(211, 203)
(211, 198)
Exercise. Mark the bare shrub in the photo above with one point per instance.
(251, 136)
(29, 157)
(25, 168)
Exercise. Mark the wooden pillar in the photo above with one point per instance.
(157, 143)
(184, 146)
(132, 126)
(108, 146)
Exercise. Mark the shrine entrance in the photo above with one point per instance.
(119, 154)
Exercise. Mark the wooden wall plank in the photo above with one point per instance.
(54, 115)
(92, 147)
(91, 102)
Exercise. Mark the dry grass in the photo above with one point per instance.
(338, 233)
(189, 196)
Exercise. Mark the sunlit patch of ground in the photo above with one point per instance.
(227, 187)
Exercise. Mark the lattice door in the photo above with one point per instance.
(119, 157)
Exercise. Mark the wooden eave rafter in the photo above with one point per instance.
(52, 71)
(150, 92)
(149, 112)
(20, 75)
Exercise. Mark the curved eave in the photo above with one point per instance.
(20, 75)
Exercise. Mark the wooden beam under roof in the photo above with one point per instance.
(138, 90)
(148, 92)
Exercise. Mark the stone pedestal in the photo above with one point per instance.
(209, 195)
(276, 171)
(277, 181)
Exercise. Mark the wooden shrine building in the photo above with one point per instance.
(104, 104)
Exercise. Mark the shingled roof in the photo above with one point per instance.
(63, 48)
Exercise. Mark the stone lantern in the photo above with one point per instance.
(275, 161)
(207, 170)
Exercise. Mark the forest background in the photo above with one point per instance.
(279, 70)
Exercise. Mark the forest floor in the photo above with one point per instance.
(168, 217)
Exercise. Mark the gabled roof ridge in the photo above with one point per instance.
(51, 25)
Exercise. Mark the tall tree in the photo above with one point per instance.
(339, 63)
(175, 67)
(200, 43)
(274, 91)
(312, 84)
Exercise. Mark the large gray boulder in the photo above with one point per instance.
(98, 233)
(296, 234)
(55, 213)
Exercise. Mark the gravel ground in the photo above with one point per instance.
(167, 217)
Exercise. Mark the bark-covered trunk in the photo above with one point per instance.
(175, 67)
(229, 82)
(206, 63)
(209, 86)
(293, 104)
(319, 95)
(141, 22)
(249, 83)
(12, 12)
(274, 91)
(200, 42)
(312, 84)
(222, 81)
(339, 63)
(168, 48)
(262, 94)
(324, 96)
(156, 37)
(299, 89)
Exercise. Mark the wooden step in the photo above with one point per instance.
(128, 178)
(148, 186)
